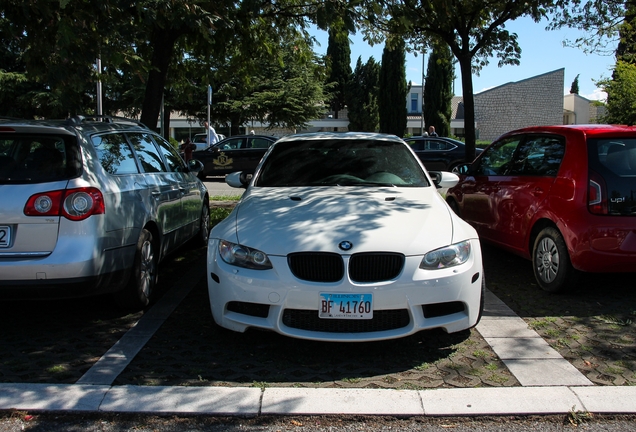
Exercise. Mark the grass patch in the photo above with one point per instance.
(225, 198)
(218, 214)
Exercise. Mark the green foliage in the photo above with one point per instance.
(363, 97)
(151, 51)
(599, 21)
(393, 89)
(339, 67)
(438, 90)
(473, 29)
(621, 94)
(574, 88)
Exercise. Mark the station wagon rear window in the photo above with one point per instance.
(33, 158)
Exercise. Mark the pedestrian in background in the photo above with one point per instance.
(213, 138)
(188, 147)
(431, 131)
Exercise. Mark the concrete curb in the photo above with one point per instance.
(248, 401)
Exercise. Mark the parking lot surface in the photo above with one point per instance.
(58, 342)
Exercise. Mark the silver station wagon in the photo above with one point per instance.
(91, 206)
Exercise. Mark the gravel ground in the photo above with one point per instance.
(19, 421)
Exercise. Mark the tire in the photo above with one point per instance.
(204, 225)
(454, 206)
(138, 292)
(551, 262)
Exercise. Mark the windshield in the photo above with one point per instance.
(341, 162)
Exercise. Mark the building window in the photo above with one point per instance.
(414, 102)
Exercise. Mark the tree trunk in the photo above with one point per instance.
(465, 65)
(163, 47)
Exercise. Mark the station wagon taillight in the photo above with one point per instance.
(73, 204)
(597, 194)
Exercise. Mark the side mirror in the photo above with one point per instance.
(444, 179)
(195, 166)
(461, 169)
(238, 179)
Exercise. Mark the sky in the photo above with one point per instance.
(542, 51)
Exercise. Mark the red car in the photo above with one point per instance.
(561, 196)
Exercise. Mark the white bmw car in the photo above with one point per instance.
(344, 237)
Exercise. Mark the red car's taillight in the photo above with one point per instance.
(597, 194)
(74, 204)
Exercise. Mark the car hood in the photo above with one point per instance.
(279, 221)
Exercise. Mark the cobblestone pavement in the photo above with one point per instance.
(56, 342)
(593, 326)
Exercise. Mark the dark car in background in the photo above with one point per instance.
(561, 196)
(439, 153)
(236, 153)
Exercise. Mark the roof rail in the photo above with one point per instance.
(79, 119)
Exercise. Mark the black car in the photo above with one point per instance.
(236, 153)
(439, 153)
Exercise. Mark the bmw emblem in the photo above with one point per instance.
(345, 245)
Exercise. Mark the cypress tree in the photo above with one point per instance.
(574, 88)
(363, 97)
(339, 66)
(438, 90)
(393, 89)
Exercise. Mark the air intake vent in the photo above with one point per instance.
(316, 266)
(375, 266)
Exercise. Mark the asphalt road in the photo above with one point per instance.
(217, 187)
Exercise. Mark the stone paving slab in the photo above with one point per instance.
(509, 328)
(522, 348)
(341, 401)
(183, 400)
(499, 401)
(606, 399)
(546, 372)
(51, 397)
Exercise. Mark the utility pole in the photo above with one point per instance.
(423, 81)
(99, 86)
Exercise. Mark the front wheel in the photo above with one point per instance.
(137, 293)
(204, 225)
(551, 262)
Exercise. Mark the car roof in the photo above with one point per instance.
(588, 129)
(324, 136)
(425, 138)
(250, 135)
(81, 123)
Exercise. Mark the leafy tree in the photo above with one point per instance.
(393, 89)
(339, 66)
(574, 88)
(289, 93)
(363, 96)
(438, 90)
(473, 29)
(621, 94)
(626, 49)
(143, 41)
(599, 21)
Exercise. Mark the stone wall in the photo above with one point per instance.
(534, 101)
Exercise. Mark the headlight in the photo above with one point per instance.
(242, 256)
(448, 256)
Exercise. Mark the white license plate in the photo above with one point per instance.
(5, 236)
(346, 306)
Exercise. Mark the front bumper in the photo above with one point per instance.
(276, 300)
